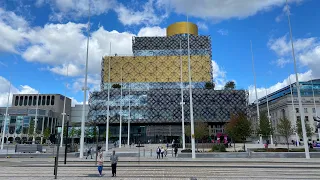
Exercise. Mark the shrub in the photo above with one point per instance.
(186, 151)
(218, 148)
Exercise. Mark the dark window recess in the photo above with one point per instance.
(30, 100)
(16, 102)
(34, 100)
(52, 100)
(21, 100)
(25, 102)
(43, 100)
(48, 101)
(39, 101)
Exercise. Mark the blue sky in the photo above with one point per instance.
(41, 38)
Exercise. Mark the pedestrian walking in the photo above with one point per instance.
(162, 152)
(100, 160)
(165, 152)
(114, 161)
(175, 151)
(89, 152)
(158, 152)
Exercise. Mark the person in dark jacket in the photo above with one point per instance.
(175, 151)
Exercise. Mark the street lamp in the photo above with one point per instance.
(182, 103)
(305, 140)
(294, 113)
(64, 109)
(269, 117)
(35, 121)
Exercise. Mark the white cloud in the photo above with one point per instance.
(4, 91)
(152, 31)
(75, 102)
(261, 91)
(218, 75)
(223, 32)
(13, 30)
(221, 10)
(307, 51)
(281, 62)
(202, 25)
(128, 16)
(70, 9)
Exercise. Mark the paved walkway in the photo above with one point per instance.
(239, 172)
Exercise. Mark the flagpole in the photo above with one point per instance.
(64, 110)
(255, 87)
(182, 102)
(129, 118)
(85, 92)
(269, 117)
(193, 146)
(108, 105)
(35, 122)
(304, 132)
(293, 112)
(120, 130)
(6, 117)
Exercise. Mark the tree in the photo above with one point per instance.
(201, 130)
(209, 85)
(239, 128)
(265, 128)
(230, 85)
(299, 128)
(285, 129)
(116, 86)
(46, 134)
(31, 128)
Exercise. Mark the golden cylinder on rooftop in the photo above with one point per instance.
(182, 28)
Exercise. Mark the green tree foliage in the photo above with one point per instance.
(31, 128)
(299, 128)
(201, 130)
(265, 128)
(239, 127)
(46, 133)
(230, 85)
(116, 86)
(285, 129)
(109, 134)
(209, 85)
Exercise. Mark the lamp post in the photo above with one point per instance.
(269, 117)
(294, 113)
(193, 146)
(5, 118)
(305, 140)
(182, 102)
(85, 92)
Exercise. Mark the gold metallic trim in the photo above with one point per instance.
(181, 28)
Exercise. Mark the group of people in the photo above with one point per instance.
(113, 160)
(163, 151)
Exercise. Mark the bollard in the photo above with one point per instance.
(144, 152)
(172, 151)
(150, 152)
(54, 167)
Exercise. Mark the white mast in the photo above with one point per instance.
(6, 118)
(85, 92)
(129, 118)
(182, 103)
(293, 112)
(64, 110)
(120, 130)
(108, 105)
(269, 117)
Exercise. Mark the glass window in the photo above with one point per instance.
(12, 119)
(30, 100)
(20, 100)
(297, 110)
(25, 102)
(305, 110)
(306, 118)
(298, 118)
(19, 124)
(16, 102)
(313, 110)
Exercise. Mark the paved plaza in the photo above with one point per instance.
(128, 168)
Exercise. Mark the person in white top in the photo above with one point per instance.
(100, 160)
(162, 151)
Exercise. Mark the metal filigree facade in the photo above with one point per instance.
(163, 105)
